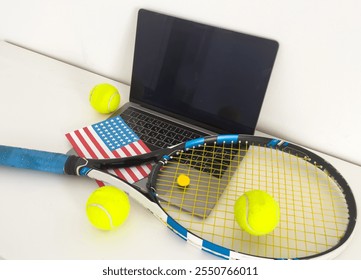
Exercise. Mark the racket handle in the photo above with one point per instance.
(32, 159)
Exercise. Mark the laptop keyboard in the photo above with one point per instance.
(157, 131)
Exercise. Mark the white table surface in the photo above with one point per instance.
(42, 216)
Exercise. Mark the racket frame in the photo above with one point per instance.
(271, 143)
(96, 169)
(163, 156)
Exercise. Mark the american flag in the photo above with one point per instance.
(111, 138)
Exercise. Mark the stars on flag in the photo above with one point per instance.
(115, 133)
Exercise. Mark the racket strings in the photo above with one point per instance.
(314, 213)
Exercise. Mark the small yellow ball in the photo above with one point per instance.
(183, 180)
(107, 207)
(257, 212)
(104, 98)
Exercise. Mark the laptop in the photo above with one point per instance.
(191, 79)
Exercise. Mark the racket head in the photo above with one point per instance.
(317, 208)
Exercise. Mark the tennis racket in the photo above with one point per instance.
(317, 207)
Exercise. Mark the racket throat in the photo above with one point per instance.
(126, 162)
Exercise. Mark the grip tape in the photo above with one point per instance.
(32, 159)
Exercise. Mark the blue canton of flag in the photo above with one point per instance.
(115, 133)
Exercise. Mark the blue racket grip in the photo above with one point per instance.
(32, 159)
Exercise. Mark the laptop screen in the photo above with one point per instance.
(202, 74)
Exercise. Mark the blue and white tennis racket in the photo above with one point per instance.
(317, 207)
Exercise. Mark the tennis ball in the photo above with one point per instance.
(104, 98)
(183, 180)
(257, 212)
(107, 207)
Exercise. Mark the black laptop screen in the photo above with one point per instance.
(211, 76)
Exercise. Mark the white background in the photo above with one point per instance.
(314, 97)
(43, 216)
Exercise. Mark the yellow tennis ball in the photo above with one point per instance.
(107, 207)
(104, 98)
(257, 212)
(183, 180)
